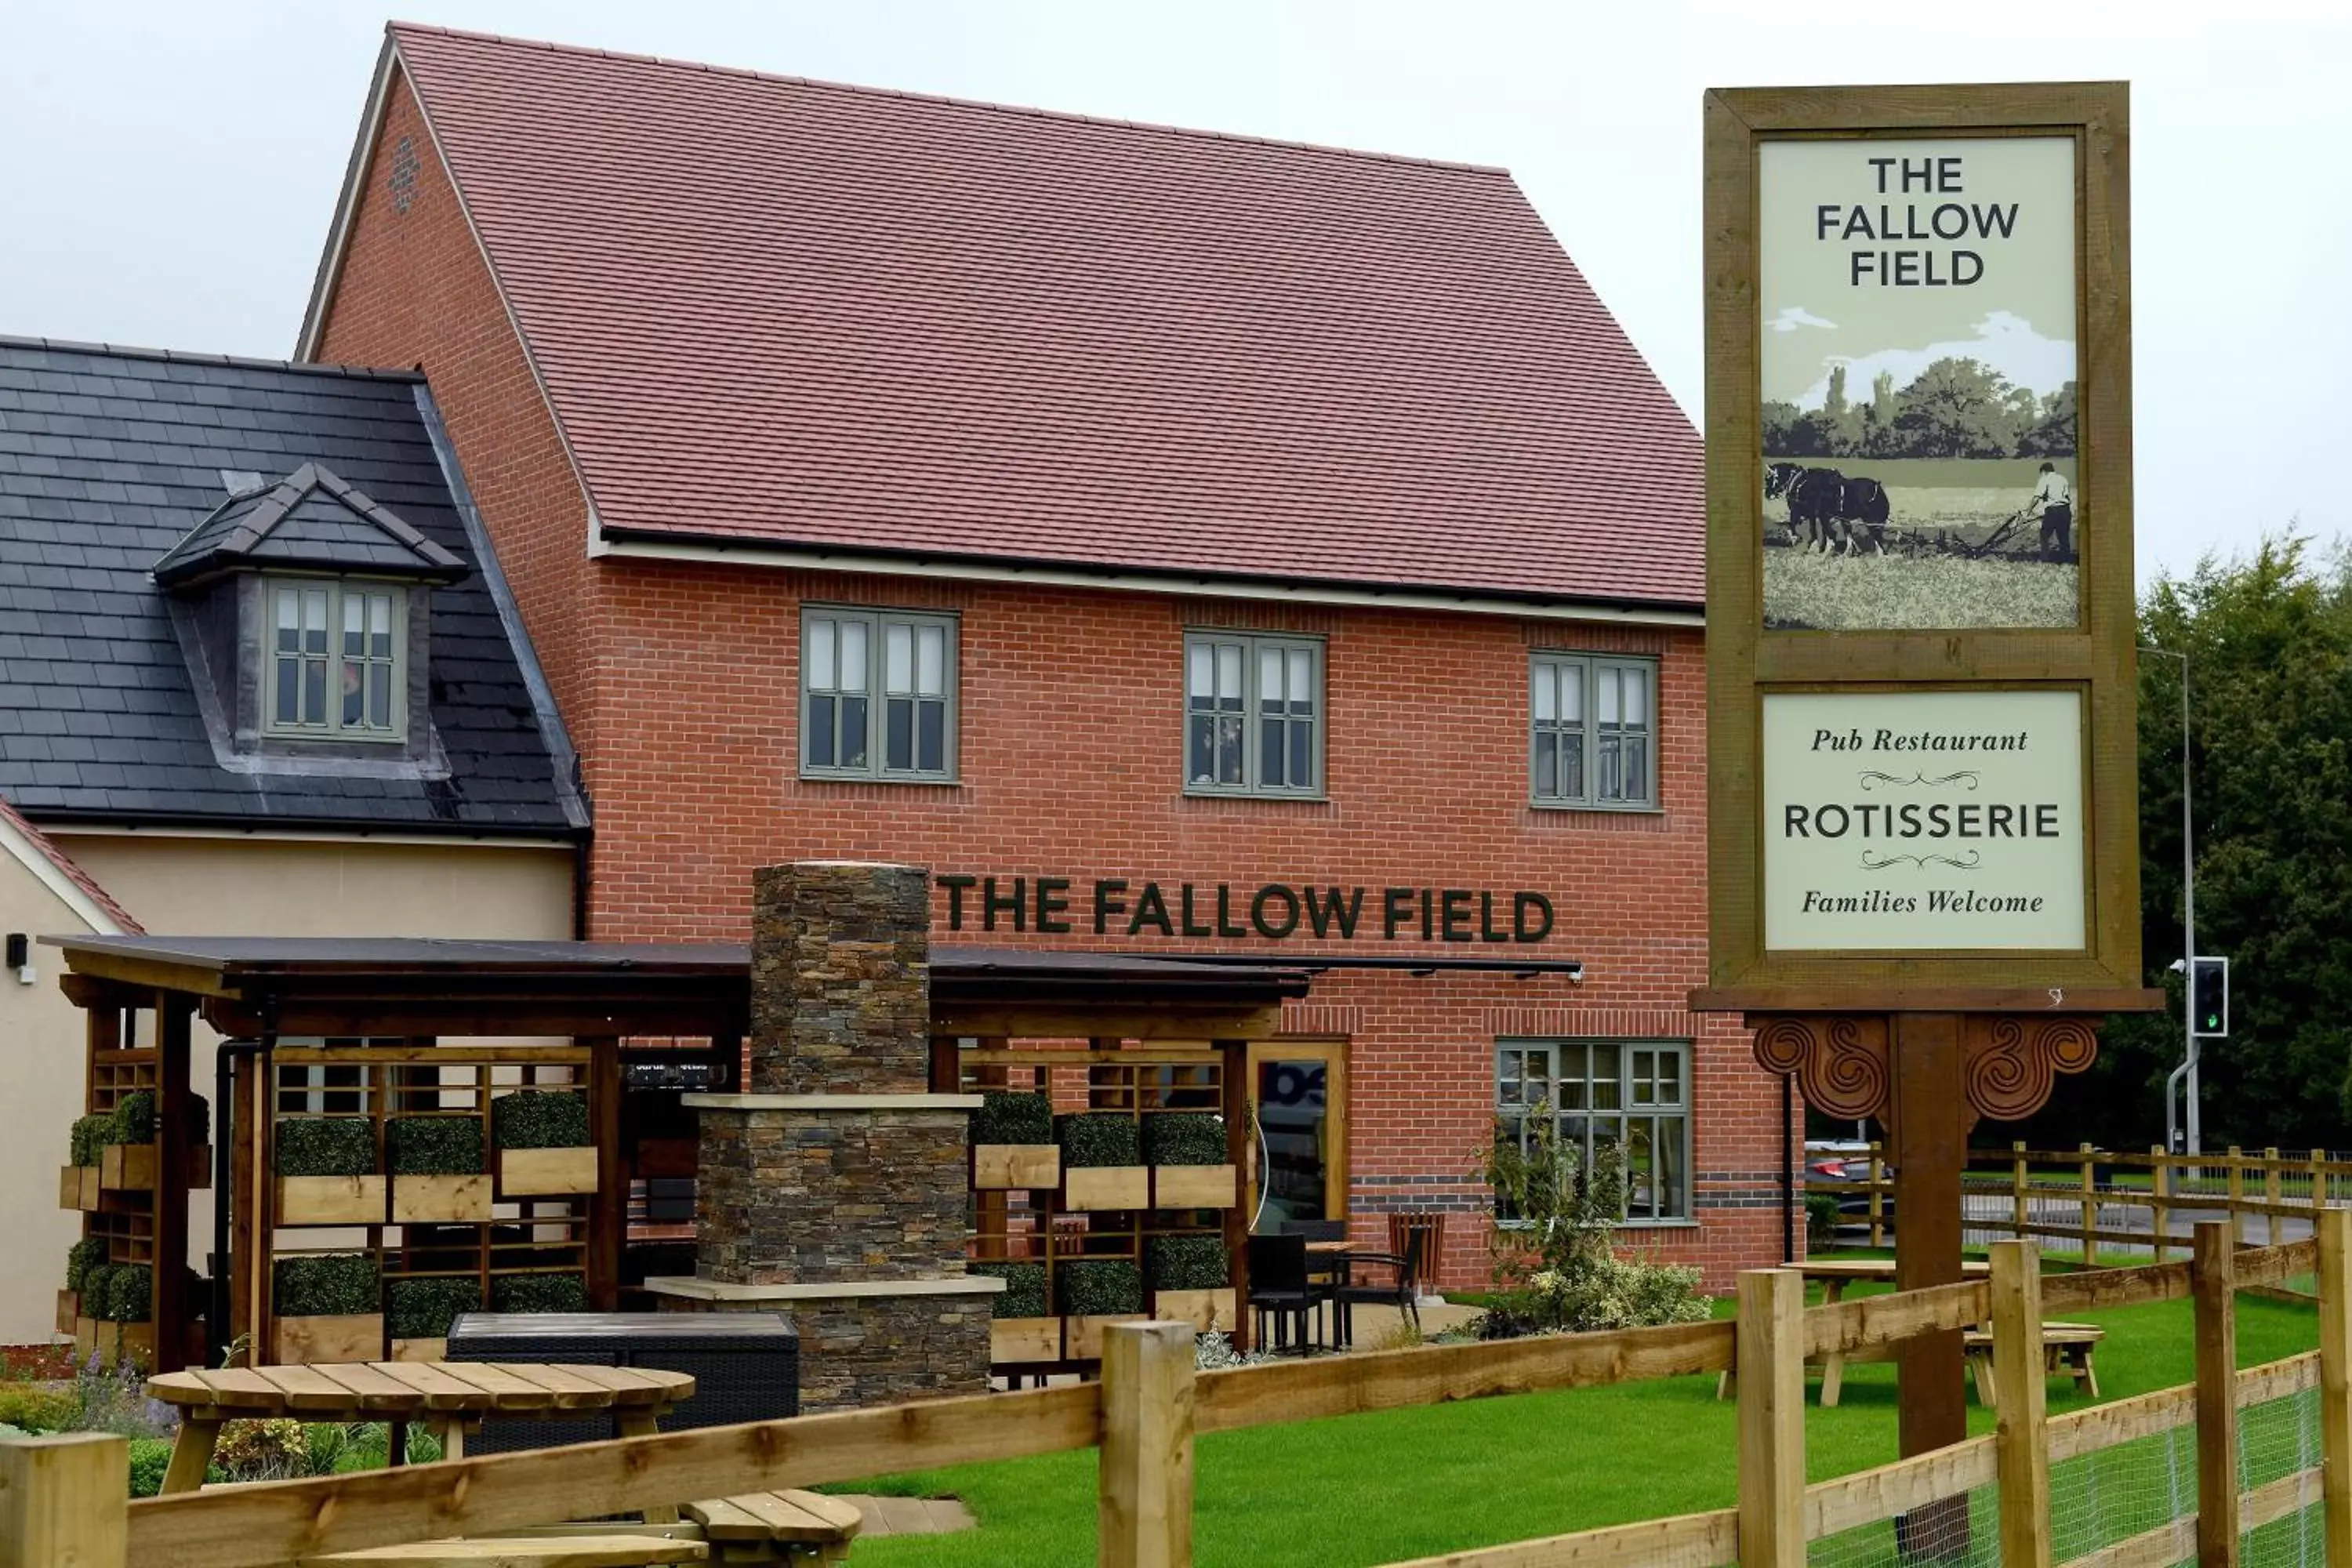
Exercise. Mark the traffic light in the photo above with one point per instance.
(2209, 997)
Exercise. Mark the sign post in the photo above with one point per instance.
(1922, 833)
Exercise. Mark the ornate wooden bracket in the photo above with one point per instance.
(1844, 1064)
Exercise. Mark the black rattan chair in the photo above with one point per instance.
(1401, 1291)
(1278, 1290)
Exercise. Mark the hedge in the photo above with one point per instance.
(130, 1293)
(423, 1308)
(434, 1145)
(95, 1280)
(327, 1285)
(90, 1137)
(325, 1146)
(134, 1118)
(1186, 1262)
(1096, 1139)
(32, 1409)
(82, 1257)
(1005, 1116)
(540, 1119)
(1098, 1287)
(1185, 1138)
(1023, 1295)
(538, 1292)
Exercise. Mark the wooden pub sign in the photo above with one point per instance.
(1923, 846)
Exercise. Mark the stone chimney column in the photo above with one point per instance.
(835, 1189)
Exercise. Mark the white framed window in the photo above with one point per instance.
(1633, 1095)
(1252, 714)
(1593, 731)
(336, 665)
(877, 694)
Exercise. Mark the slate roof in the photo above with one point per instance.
(108, 457)
(311, 517)
(790, 311)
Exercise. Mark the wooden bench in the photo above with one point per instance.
(599, 1550)
(2065, 1348)
(757, 1527)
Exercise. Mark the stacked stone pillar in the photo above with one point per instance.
(834, 1188)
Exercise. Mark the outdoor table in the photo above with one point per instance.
(1833, 1275)
(451, 1398)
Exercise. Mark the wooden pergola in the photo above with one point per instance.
(407, 997)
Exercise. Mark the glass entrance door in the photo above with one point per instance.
(1298, 1098)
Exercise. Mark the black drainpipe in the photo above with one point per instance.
(1788, 1168)
(224, 1132)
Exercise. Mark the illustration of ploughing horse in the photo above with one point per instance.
(1828, 512)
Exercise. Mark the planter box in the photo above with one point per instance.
(462, 1200)
(356, 1337)
(121, 1342)
(68, 1311)
(330, 1200)
(85, 1334)
(533, 1173)
(1085, 1333)
(1194, 1186)
(1107, 1187)
(131, 1167)
(420, 1350)
(1013, 1340)
(78, 1187)
(1210, 1311)
(1001, 1166)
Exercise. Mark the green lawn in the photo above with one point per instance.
(1332, 1493)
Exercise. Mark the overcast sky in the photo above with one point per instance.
(173, 166)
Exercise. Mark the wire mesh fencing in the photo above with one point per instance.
(2278, 1475)
(1959, 1532)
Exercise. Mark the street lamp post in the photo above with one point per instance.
(2187, 1072)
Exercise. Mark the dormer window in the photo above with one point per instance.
(304, 611)
(337, 659)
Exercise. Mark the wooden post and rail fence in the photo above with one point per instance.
(62, 1500)
(2087, 1196)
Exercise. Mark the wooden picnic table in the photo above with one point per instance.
(1833, 1275)
(450, 1397)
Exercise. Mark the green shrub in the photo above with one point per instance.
(325, 1146)
(37, 1409)
(1185, 1138)
(1023, 1295)
(134, 1118)
(275, 1449)
(423, 1308)
(1186, 1262)
(538, 1292)
(540, 1119)
(1097, 1287)
(1820, 1219)
(95, 1280)
(1007, 1118)
(1097, 1138)
(82, 1257)
(129, 1294)
(327, 1285)
(150, 1458)
(434, 1145)
(90, 1137)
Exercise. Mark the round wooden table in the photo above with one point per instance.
(450, 1397)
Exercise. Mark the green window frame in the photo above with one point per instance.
(1633, 1093)
(1593, 731)
(878, 695)
(334, 659)
(1253, 715)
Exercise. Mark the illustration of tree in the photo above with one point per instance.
(2051, 434)
(1955, 408)
(1791, 432)
(1879, 438)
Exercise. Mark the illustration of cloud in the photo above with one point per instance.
(1791, 317)
(2005, 342)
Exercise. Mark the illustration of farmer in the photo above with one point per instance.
(2053, 503)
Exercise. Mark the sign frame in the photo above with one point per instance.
(2097, 655)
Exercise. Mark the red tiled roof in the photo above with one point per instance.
(815, 315)
(47, 848)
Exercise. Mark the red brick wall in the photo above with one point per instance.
(679, 683)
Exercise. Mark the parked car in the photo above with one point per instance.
(1847, 1161)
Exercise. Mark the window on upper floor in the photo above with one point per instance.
(877, 695)
(1631, 1098)
(336, 659)
(1252, 714)
(1593, 731)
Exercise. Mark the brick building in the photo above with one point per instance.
(1159, 536)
